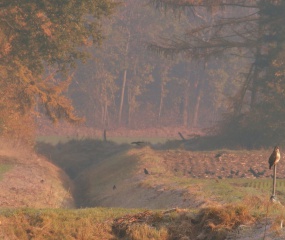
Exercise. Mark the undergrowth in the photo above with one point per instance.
(211, 222)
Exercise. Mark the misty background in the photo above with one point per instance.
(125, 84)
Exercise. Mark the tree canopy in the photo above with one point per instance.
(252, 30)
(40, 42)
(134, 88)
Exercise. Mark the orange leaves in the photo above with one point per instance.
(46, 24)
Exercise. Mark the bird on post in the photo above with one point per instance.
(274, 157)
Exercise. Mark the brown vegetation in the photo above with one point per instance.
(29, 180)
(96, 166)
(173, 178)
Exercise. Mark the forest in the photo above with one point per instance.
(137, 64)
(129, 84)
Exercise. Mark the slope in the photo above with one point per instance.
(29, 180)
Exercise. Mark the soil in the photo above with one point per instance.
(221, 164)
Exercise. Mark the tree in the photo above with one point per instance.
(124, 57)
(93, 92)
(40, 42)
(145, 89)
(252, 30)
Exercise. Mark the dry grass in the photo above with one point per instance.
(177, 177)
(58, 224)
(173, 182)
(225, 217)
(29, 180)
(16, 149)
(213, 222)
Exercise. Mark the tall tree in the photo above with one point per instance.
(40, 35)
(252, 30)
(124, 56)
(146, 74)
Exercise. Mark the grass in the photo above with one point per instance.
(119, 168)
(223, 191)
(32, 181)
(92, 223)
(4, 168)
(266, 184)
(100, 165)
(116, 223)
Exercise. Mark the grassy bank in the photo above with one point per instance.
(217, 194)
(212, 222)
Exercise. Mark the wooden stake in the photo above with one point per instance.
(274, 180)
(273, 198)
(105, 135)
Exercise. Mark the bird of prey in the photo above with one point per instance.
(274, 157)
(146, 171)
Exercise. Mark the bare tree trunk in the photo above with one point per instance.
(124, 80)
(161, 100)
(129, 107)
(197, 103)
(186, 104)
(250, 82)
(239, 103)
(106, 114)
(196, 110)
(122, 96)
(163, 90)
(102, 115)
(105, 135)
(253, 94)
(254, 82)
(257, 70)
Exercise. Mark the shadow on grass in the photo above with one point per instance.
(77, 155)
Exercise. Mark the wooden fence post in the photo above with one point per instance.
(273, 197)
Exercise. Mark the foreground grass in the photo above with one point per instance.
(58, 224)
(212, 222)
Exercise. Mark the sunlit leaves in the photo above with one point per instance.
(38, 34)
